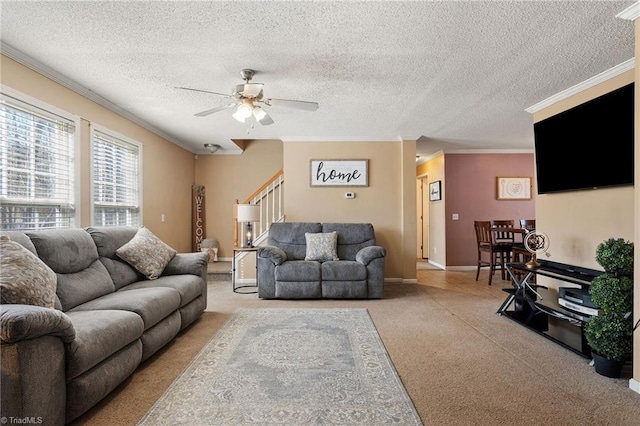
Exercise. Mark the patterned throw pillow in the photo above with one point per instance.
(147, 253)
(24, 278)
(321, 246)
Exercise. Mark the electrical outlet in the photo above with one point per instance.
(455, 216)
(162, 218)
(350, 195)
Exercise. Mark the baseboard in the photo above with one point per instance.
(437, 265)
(409, 281)
(634, 385)
(393, 280)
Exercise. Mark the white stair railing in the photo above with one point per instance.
(270, 199)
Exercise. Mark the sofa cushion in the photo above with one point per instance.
(65, 250)
(290, 237)
(73, 256)
(108, 239)
(24, 278)
(343, 270)
(189, 286)
(351, 237)
(99, 334)
(321, 246)
(298, 270)
(147, 253)
(22, 239)
(152, 304)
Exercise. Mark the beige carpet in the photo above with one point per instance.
(460, 363)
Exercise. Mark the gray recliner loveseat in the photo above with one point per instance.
(59, 361)
(287, 269)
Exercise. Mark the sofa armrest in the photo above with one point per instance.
(274, 254)
(370, 253)
(22, 322)
(187, 263)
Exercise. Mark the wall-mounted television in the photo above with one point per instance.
(589, 146)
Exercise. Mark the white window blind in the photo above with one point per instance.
(36, 167)
(116, 181)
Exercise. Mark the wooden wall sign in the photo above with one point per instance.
(339, 173)
(197, 217)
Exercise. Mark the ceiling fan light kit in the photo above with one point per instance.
(212, 147)
(245, 99)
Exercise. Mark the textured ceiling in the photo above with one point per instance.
(456, 74)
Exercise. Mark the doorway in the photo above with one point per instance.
(422, 205)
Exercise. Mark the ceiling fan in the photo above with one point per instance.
(248, 101)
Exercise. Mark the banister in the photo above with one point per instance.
(264, 186)
(269, 198)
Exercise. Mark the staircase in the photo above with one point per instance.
(270, 199)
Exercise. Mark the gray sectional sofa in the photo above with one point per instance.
(108, 318)
(288, 268)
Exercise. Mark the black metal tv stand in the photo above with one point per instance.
(537, 308)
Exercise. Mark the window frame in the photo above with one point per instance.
(93, 128)
(75, 191)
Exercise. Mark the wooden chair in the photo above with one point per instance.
(491, 254)
(520, 254)
(528, 224)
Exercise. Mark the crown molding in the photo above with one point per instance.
(59, 78)
(580, 87)
(287, 139)
(631, 13)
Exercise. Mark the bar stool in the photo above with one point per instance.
(491, 254)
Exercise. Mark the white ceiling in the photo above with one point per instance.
(455, 74)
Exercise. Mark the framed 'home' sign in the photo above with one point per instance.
(339, 172)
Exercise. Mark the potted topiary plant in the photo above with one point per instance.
(610, 333)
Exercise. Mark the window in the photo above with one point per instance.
(116, 180)
(37, 171)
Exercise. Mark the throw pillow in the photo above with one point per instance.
(147, 253)
(24, 278)
(321, 246)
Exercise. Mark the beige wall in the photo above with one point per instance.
(168, 170)
(388, 202)
(636, 269)
(230, 177)
(576, 222)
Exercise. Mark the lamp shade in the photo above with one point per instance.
(248, 213)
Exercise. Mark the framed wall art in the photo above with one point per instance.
(513, 188)
(435, 190)
(339, 173)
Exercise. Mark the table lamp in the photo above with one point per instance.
(248, 213)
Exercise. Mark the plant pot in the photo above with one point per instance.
(607, 367)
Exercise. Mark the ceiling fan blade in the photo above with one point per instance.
(303, 105)
(203, 91)
(266, 120)
(214, 110)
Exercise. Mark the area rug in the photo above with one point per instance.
(289, 366)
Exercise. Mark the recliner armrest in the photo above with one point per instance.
(187, 263)
(275, 254)
(367, 254)
(22, 322)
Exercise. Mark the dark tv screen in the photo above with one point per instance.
(589, 146)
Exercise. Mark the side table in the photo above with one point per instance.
(236, 252)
